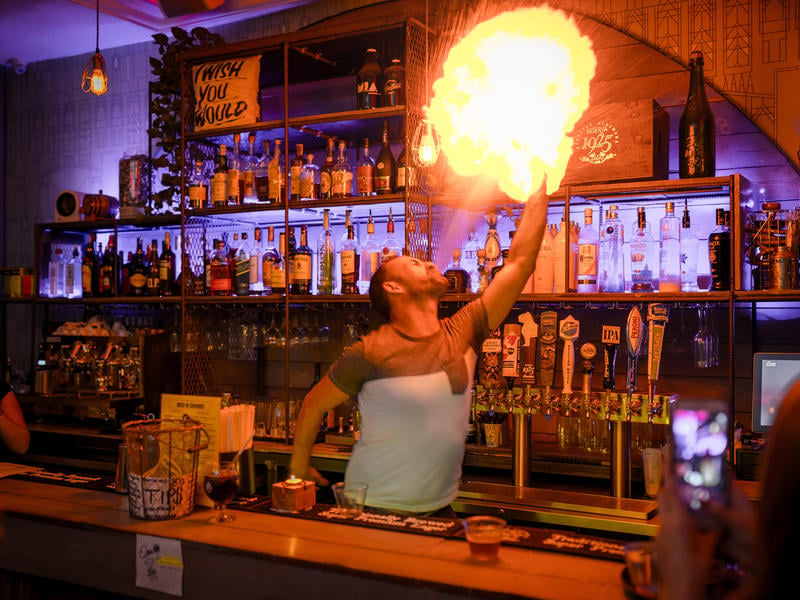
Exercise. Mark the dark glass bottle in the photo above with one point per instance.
(219, 270)
(301, 283)
(395, 83)
(90, 275)
(125, 278)
(326, 173)
(457, 277)
(401, 172)
(153, 275)
(350, 263)
(499, 265)
(385, 165)
(108, 269)
(719, 254)
(166, 267)
(369, 81)
(295, 168)
(138, 272)
(696, 145)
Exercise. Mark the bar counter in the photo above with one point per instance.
(88, 538)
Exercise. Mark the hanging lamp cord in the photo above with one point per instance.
(97, 28)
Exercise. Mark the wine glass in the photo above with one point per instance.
(221, 484)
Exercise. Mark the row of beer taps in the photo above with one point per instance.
(524, 382)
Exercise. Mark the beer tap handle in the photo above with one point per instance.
(635, 336)
(568, 331)
(657, 315)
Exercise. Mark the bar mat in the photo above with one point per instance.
(514, 535)
(86, 482)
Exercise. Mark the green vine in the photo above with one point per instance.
(165, 110)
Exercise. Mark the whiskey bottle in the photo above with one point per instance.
(326, 256)
(402, 172)
(220, 271)
(309, 179)
(249, 163)
(342, 175)
(696, 131)
(295, 168)
(457, 277)
(278, 270)
(350, 263)
(235, 177)
(385, 165)
(198, 188)
(262, 175)
(277, 177)
(369, 81)
(719, 254)
(90, 270)
(138, 271)
(166, 267)
(302, 265)
(669, 257)
(153, 273)
(270, 259)
(365, 172)
(242, 267)
(256, 256)
(219, 182)
(326, 173)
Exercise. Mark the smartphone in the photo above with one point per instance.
(700, 452)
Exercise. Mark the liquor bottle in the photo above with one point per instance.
(565, 255)
(402, 172)
(689, 250)
(279, 271)
(612, 266)
(669, 257)
(277, 177)
(588, 243)
(483, 272)
(249, 163)
(242, 281)
(641, 252)
(394, 84)
(457, 276)
(385, 165)
(288, 254)
(125, 275)
(326, 173)
(369, 81)
(166, 267)
(302, 265)
(390, 247)
(138, 271)
(350, 263)
(544, 271)
(326, 255)
(342, 174)
(365, 172)
(469, 258)
(198, 188)
(370, 257)
(232, 249)
(696, 132)
(153, 272)
(270, 259)
(492, 243)
(220, 272)
(719, 254)
(500, 263)
(90, 270)
(56, 274)
(235, 177)
(262, 175)
(295, 168)
(309, 179)
(108, 269)
(72, 277)
(207, 265)
(219, 182)
(256, 256)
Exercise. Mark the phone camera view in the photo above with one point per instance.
(700, 439)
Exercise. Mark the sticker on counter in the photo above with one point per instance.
(159, 564)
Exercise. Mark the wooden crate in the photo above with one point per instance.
(624, 141)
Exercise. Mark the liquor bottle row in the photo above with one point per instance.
(608, 261)
(241, 267)
(106, 273)
(244, 178)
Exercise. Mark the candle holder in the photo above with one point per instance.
(294, 495)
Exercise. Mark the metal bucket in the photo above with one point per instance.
(162, 466)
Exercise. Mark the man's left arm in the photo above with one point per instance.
(505, 288)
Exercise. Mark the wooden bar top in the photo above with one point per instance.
(88, 537)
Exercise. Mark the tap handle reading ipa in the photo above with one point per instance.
(611, 340)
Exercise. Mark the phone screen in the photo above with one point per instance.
(700, 449)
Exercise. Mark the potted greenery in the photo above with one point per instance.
(165, 112)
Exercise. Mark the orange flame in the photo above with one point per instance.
(511, 92)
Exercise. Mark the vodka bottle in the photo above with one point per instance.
(350, 263)
(370, 257)
(72, 275)
(342, 175)
(689, 250)
(326, 256)
(295, 168)
(219, 182)
(262, 175)
(309, 179)
(390, 247)
(365, 172)
(565, 255)
(56, 274)
(588, 243)
(611, 239)
(669, 258)
(235, 176)
(326, 173)
(249, 164)
(696, 131)
(198, 188)
(641, 253)
(492, 244)
(276, 175)
(256, 270)
(543, 274)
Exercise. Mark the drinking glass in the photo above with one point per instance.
(221, 484)
(350, 497)
(484, 534)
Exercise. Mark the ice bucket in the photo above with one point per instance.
(162, 466)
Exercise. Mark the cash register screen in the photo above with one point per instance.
(773, 376)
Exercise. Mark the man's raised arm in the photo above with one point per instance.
(505, 288)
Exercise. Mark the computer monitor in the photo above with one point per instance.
(773, 376)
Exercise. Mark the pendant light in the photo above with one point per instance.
(425, 144)
(94, 77)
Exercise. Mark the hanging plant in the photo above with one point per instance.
(165, 111)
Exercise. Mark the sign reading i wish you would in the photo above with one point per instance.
(226, 93)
